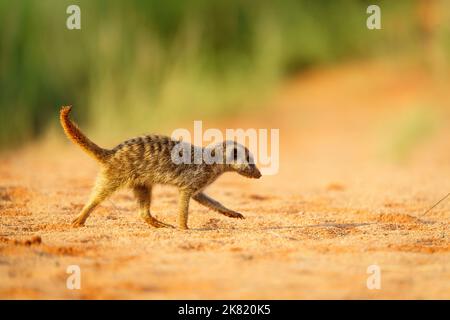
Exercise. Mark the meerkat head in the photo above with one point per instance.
(239, 159)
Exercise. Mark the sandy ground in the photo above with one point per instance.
(336, 207)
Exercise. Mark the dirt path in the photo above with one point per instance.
(338, 205)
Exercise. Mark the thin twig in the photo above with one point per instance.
(435, 205)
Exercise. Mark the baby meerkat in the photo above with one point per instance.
(144, 161)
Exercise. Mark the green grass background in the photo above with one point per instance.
(140, 65)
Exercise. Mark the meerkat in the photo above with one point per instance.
(142, 162)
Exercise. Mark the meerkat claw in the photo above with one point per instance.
(165, 225)
(77, 223)
(236, 215)
(158, 224)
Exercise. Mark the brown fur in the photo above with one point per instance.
(79, 138)
(142, 162)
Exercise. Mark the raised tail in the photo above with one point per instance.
(75, 134)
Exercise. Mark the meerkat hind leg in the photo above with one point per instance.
(143, 195)
(101, 191)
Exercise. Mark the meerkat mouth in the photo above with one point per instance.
(257, 175)
(252, 175)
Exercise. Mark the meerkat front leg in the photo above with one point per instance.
(183, 209)
(216, 206)
(144, 195)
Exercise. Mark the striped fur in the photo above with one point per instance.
(142, 162)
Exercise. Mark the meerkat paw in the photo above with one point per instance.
(183, 227)
(158, 224)
(235, 215)
(77, 223)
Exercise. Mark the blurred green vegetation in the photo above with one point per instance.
(136, 66)
(404, 133)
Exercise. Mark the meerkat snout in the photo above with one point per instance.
(241, 160)
(255, 173)
(250, 171)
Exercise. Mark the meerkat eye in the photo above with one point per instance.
(235, 154)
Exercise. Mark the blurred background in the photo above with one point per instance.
(137, 65)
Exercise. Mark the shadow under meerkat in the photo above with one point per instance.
(141, 162)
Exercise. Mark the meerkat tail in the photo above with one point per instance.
(74, 133)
